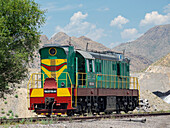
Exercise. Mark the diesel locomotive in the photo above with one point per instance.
(74, 81)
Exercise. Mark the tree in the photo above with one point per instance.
(20, 21)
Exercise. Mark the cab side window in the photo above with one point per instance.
(90, 66)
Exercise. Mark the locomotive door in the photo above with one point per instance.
(80, 67)
(91, 76)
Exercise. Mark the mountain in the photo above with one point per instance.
(79, 43)
(138, 62)
(148, 48)
(153, 45)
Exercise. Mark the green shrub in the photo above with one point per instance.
(5, 98)
(8, 114)
(16, 96)
(3, 112)
(2, 109)
(4, 117)
(5, 102)
(16, 116)
(10, 111)
(12, 114)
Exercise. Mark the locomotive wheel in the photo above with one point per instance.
(117, 109)
(47, 115)
(108, 112)
(126, 111)
(70, 113)
(80, 111)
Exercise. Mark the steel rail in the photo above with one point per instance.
(74, 118)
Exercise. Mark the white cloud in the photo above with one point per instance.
(130, 34)
(78, 27)
(154, 18)
(167, 9)
(78, 16)
(119, 21)
(96, 34)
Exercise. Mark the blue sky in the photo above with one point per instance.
(109, 22)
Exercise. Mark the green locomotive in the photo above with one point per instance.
(77, 81)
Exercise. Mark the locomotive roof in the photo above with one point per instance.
(85, 54)
(106, 55)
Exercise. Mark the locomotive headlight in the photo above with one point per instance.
(52, 51)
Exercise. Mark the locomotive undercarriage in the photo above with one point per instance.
(107, 104)
(50, 106)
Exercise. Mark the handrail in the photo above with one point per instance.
(120, 81)
(108, 81)
(37, 81)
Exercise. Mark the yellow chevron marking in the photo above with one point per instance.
(37, 92)
(57, 73)
(46, 61)
(46, 71)
(62, 92)
(61, 70)
(57, 61)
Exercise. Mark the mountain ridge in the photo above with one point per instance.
(145, 50)
(153, 44)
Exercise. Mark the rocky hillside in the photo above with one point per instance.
(156, 77)
(79, 43)
(154, 44)
(138, 62)
(164, 61)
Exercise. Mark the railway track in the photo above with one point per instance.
(75, 118)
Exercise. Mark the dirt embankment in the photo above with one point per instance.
(15, 105)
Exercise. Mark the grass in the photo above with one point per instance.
(44, 122)
(11, 117)
(22, 121)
